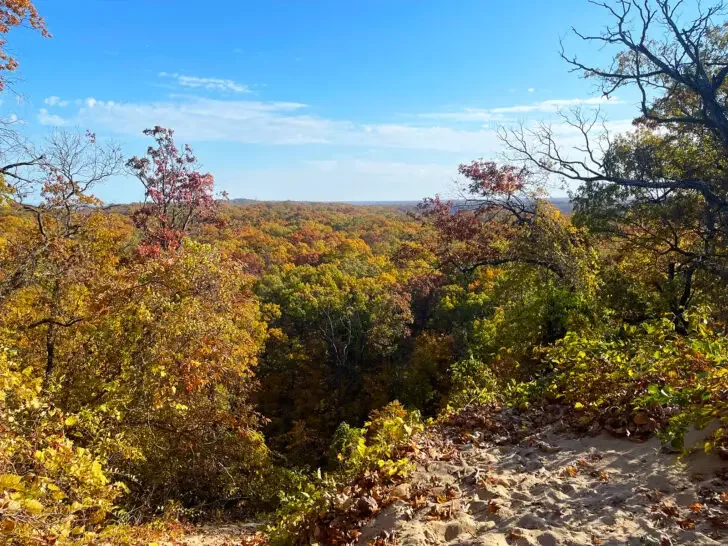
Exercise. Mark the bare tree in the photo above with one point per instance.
(664, 187)
(680, 71)
(666, 59)
(53, 185)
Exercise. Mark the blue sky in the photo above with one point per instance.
(307, 100)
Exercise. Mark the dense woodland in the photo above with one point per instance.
(188, 356)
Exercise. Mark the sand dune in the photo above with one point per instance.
(552, 489)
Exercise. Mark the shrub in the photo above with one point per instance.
(51, 489)
(376, 450)
(472, 382)
(643, 378)
(153, 376)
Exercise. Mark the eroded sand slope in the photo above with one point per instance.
(554, 488)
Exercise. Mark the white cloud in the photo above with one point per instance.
(199, 119)
(257, 122)
(531, 90)
(46, 118)
(205, 120)
(497, 114)
(468, 114)
(555, 105)
(212, 84)
(445, 139)
(55, 101)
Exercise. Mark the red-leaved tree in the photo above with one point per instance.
(502, 217)
(176, 195)
(16, 13)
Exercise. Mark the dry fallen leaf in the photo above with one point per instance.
(419, 501)
(451, 492)
(670, 510)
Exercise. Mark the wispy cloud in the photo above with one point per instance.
(46, 118)
(455, 136)
(198, 119)
(211, 84)
(554, 105)
(497, 114)
(467, 114)
(259, 122)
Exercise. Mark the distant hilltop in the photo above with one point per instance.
(562, 203)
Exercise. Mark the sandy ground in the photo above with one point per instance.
(554, 489)
(494, 477)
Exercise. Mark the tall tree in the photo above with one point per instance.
(54, 258)
(176, 194)
(503, 218)
(664, 188)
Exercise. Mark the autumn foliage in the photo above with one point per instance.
(14, 13)
(176, 193)
(188, 357)
(489, 178)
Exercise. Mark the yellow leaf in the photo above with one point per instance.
(58, 495)
(10, 481)
(33, 506)
(97, 517)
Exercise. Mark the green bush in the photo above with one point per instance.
(374, 449)
(472, 381)
(643, 375)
